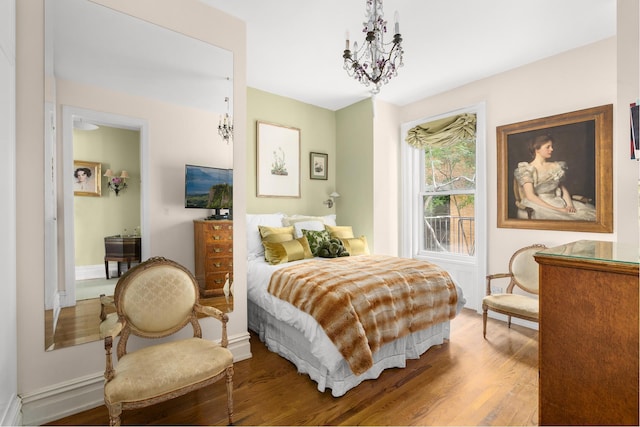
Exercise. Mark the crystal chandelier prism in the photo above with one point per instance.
(225, 126)
(372, 65)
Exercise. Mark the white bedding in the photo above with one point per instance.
(319, 357)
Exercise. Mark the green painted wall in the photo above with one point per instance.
(317, 134)
(354, 130)
(97, 217)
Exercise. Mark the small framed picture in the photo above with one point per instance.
(86, 178)
(318, 165)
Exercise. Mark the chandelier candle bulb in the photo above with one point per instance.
(396, 18)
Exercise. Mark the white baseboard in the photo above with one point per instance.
(86, 272)
(80, 394)
(12, 416)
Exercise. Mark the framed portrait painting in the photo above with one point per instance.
(277, 161)
(555, 173)
(318, 163)
(86, 178)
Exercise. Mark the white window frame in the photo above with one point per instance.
(411, 217)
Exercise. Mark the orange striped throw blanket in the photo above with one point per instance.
(363, 302)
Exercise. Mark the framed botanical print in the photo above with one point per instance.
(277, 160)
(318, 163)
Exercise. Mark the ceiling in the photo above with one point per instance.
(294, 47)
(92, 44)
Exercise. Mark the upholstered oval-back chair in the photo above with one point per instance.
(523, 273)
(155, 299)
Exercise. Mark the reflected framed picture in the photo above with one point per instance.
(277, 160)
(318, 163)
(86, 178)
(555, 173)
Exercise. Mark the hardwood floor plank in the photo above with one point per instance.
(466, 381)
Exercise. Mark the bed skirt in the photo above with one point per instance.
(291, 344)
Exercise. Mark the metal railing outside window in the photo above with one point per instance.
(453, 234)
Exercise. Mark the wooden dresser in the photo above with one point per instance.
(213, 255)
(588, 355)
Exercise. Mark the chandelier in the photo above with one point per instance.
(372, 64)
(225, 126)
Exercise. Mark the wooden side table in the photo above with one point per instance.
(121, 249)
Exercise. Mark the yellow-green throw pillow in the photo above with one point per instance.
(275, 234)
(340, 231)
(356, 245)
(291, 250)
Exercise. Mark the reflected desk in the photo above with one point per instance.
(121, 249)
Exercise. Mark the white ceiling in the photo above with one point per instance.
(294, 47)
(92, 44)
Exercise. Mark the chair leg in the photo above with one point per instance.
(114, 414)
(484, 322)
(230, 394)
(509, 321)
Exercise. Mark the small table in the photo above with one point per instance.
(121, 248)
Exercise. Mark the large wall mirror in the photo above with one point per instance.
(92, 54)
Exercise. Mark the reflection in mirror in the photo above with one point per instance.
(90, 48)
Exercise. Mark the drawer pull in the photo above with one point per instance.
(217, 237)
(217, 264)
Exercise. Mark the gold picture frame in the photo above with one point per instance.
(87, 177)
(583, 140)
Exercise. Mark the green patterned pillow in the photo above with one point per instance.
(316, 238)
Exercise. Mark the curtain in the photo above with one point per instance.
(443, 132)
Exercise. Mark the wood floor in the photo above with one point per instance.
(466, 381)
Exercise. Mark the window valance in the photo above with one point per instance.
(443, 132)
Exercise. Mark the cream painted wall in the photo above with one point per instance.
(355, 168)
(317, 134)
(386, 178)
(582, 78)
(107, 215)
(41, 374)
(9, 402)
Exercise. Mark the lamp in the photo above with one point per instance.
(331, 200)
(371, 64)
(225, 126)
(116, 183)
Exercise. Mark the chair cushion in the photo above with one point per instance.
(163, 368)
(519, 305)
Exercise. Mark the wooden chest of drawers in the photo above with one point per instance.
(588, 354)
(213, 255)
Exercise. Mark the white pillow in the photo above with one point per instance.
(254, 241)
(288, 220)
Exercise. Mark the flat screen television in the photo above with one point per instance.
(209, 188)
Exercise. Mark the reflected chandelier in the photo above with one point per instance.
(371, 64)
(225, 126)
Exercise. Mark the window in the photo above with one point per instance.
(447, 187)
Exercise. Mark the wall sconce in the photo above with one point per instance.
(331, 200)
(116, 183)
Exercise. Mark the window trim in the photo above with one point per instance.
(411, 223)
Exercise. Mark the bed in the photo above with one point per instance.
(295, 334)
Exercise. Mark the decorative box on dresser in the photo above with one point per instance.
(588, 354)
(213, 255)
